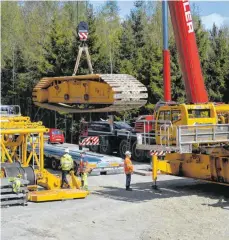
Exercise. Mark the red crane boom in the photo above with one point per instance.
(188, 52)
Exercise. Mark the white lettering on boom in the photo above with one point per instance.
(188, 16)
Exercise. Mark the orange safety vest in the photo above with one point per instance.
(83, 166)
(128, 166)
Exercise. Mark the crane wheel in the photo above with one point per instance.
(138, 155)
(123, 147)
(94, 148)
(55, 163)
(105, 147)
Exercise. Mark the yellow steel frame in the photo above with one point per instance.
(14, 139)
(15, 132)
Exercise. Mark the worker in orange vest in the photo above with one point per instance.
(128, 168)
(83, 170)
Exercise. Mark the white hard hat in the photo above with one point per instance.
(66, 150)
(128, 153)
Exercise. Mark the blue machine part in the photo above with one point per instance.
(165, 24)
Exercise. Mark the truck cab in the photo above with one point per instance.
(169, 117)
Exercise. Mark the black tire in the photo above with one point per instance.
(148, 156)
(54, 163)
(48, 162)
(123, 147)
(105, 148)
(94, 148)
(138, 155)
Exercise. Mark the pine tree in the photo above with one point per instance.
(127, 49)
(218, 63)
(108, 30)
(58, 48)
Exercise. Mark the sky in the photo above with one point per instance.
(210, 11)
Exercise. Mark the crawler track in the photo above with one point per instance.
(128, 93)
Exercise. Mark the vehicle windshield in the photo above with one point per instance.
(57, 132)
(199, 113)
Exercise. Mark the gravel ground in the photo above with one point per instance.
(179, 209)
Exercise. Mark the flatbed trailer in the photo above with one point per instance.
(100, 164)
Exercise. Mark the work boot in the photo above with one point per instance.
(128, 189)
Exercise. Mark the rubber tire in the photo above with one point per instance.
(122, 148)
(48, 162)
(138, 155)
(94, 148)
(105, 149)
(54, 163)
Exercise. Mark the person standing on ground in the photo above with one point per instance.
(83, 170)
(128, 168)
(66, 164)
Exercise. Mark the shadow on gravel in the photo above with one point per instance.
(169, 189)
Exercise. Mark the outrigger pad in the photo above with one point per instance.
(56, 194)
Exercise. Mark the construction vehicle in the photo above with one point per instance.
(89, 93)
(196, 134)
(107, 137)
(120, 137)
(15, 131)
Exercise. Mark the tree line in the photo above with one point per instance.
(39, 39)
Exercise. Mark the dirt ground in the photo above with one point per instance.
(180, 209)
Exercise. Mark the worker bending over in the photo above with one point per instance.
(66, 164)
(128, 168)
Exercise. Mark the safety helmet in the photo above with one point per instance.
(66, 150)
(128, 153)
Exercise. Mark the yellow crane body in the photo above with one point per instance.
(182, 114)
(198, 166)
(196, 142)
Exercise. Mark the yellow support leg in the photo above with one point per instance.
(154, 170)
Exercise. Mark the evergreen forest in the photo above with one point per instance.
(39, 39)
